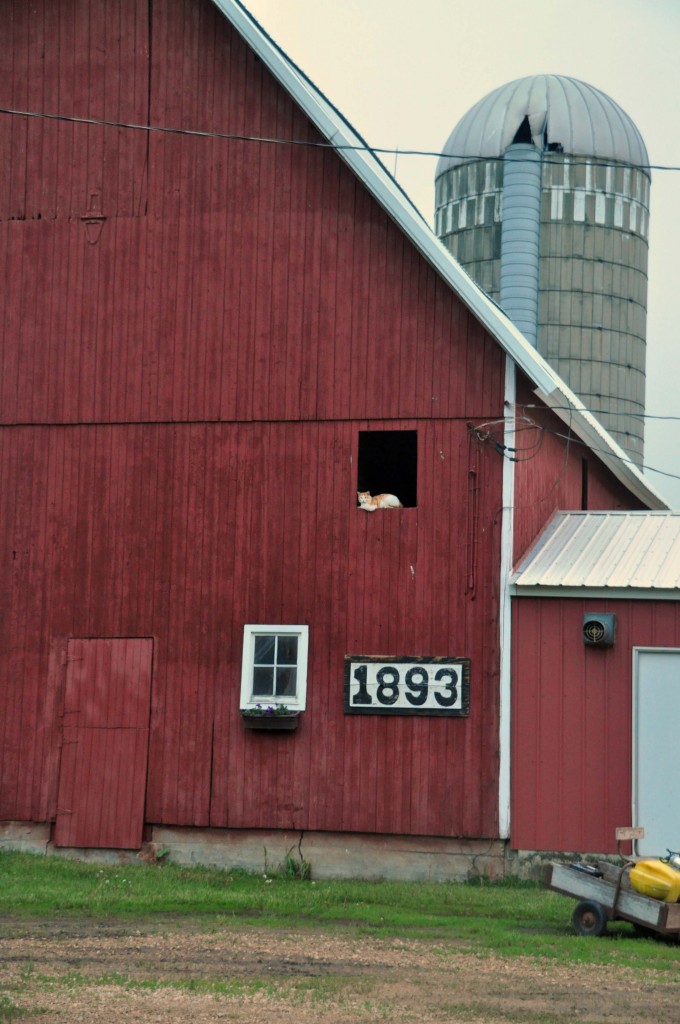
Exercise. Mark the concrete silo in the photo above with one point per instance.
(543, 197)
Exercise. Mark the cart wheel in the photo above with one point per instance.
(589, 918)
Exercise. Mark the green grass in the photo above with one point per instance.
(509, 918)
(9, 1011)
(293, 989)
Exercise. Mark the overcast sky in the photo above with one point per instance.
(405, 73)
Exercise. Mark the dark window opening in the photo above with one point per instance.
(584, 485)
(388, 464)
(523, 133)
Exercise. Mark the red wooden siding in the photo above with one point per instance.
(183, 383)
(254, 281)
(549, 473)
(86, 60)
(102, 776)
(185, 533)
(572, 720)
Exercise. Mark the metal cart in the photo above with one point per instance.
(605, 894)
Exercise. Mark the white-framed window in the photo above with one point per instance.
(274, 669)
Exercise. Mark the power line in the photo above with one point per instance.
(548, 158)
(484, 436)
(608, 412)
(266, 140)
(606, 451)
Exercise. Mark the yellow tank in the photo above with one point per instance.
(656, 878)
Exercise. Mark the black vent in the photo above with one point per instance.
(599, 629)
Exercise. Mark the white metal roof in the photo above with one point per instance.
(622, 552)
(561, 111)
(548, 385)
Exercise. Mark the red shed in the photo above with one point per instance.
(210, 344)
(596, 679)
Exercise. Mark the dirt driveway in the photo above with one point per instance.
(108, 973)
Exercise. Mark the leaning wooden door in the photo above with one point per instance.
(102, 776)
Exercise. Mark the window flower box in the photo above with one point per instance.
(274, 718)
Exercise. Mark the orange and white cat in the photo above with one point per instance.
(377, 501)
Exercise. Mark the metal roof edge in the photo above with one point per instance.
(570, 513)
(605, 593)
(549, 385)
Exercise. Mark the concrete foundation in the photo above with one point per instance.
(329, 855)
(337, 855)
(25, 836)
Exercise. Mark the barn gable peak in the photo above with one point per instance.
(548, 385)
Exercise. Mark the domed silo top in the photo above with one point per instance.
(552, 111)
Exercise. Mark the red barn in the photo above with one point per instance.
(210, 343)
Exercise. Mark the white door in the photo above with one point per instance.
(656, 749)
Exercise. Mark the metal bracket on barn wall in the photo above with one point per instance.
(93, 219)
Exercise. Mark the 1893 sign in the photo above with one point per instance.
(406, 686)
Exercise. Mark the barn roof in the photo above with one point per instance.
(616, 554)
(548, 385)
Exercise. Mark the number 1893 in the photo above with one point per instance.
(407, 686)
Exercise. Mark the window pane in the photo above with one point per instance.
(288, 647)
(264, 650)
(263, 682)
(286, 682)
